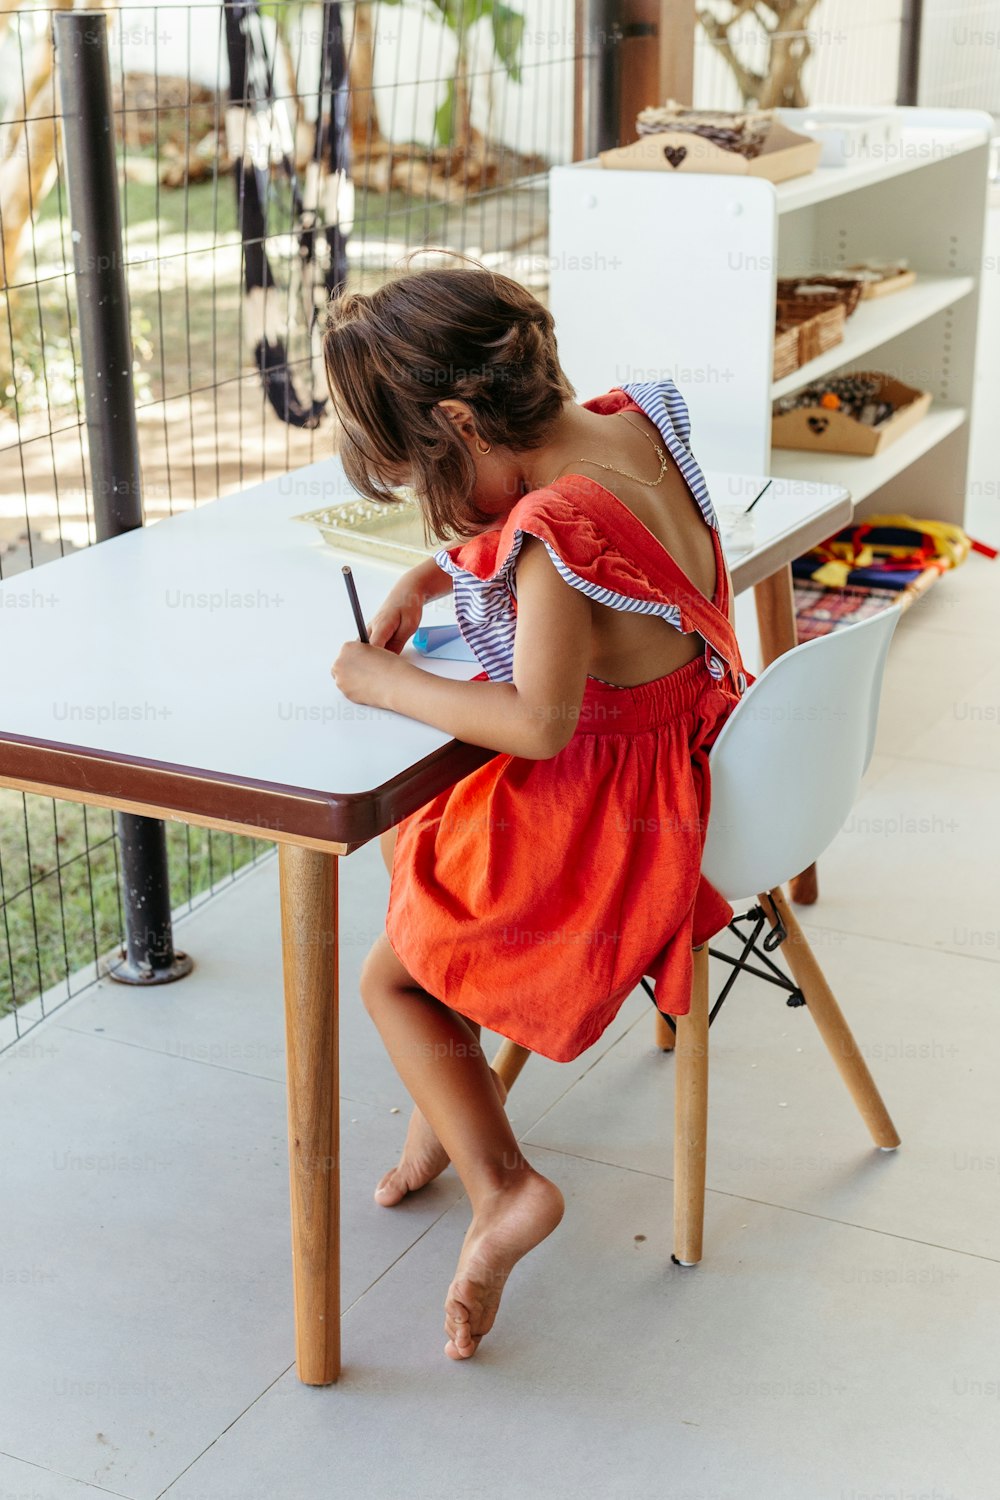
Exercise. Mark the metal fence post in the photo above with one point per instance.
(597, 102)
(910, 24)
(81, 44)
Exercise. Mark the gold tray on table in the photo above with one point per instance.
(387, 530)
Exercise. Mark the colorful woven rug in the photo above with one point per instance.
(818, 611)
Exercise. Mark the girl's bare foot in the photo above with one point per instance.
(423, 1158)
(509, 1224)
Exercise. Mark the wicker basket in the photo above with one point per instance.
(802, 333)
(848, 293)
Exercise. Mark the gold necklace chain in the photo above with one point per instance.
(652, 483)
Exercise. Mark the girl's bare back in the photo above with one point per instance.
(629, 649)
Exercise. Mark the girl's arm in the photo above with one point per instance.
(532, 717)
(428, 579)
(399, 615)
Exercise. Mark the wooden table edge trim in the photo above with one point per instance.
(331, 821)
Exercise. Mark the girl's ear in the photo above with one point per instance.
(460, 415)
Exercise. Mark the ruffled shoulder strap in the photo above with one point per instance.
(599, 547)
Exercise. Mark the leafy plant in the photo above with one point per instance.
(453, 117)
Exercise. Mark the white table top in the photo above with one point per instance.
(186, 666)
(792, 516)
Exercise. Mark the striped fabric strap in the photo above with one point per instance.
(665, 407)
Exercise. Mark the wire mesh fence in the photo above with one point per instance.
(268, 155)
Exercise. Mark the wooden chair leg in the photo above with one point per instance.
(774, 600)
(664, 1035)
(804, 888)
(691, 1118)
(509, 1061)
(830, 1020)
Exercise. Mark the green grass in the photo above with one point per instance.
(211, 209)
(59, 905)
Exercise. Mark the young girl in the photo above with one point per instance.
(533, 896)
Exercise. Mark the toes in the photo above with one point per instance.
(390, 1191)
(457, 1318)
(409, 1176)
(464, 1351)
(462, 1342)
(466, 1320)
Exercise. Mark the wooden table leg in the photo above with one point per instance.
(308, 880)
(691, 1117)
(774, 598)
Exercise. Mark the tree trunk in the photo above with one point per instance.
(28, 170)
(783, 84)
(365, 130)
(461, 135)
(789, 50)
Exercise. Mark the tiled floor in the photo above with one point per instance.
(838, 1341)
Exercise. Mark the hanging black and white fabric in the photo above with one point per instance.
(260, 140)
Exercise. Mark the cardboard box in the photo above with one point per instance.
(785, 153)
(820, 431)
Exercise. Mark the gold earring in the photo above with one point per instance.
(480, 449)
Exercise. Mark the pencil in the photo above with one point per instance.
(352, 594)
(753, 502)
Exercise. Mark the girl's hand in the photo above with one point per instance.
(364, 673)
(396, 619)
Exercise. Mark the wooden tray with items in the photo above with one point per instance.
(826, 426)
(748, 143)
(876, 278)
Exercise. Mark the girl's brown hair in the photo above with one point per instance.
(391, 355)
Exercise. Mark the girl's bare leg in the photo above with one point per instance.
(424, 1157)
(514, 1208)
(387, 842)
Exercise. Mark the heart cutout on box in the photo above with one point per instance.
(817, 424)
(675, 154)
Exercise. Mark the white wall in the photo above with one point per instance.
(960, 54)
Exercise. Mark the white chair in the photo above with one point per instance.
(785, 770)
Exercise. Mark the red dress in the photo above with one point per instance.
(534, 894)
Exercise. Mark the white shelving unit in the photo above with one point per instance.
(656, 275)
(879, 321)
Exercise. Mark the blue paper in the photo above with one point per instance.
(444, 641)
